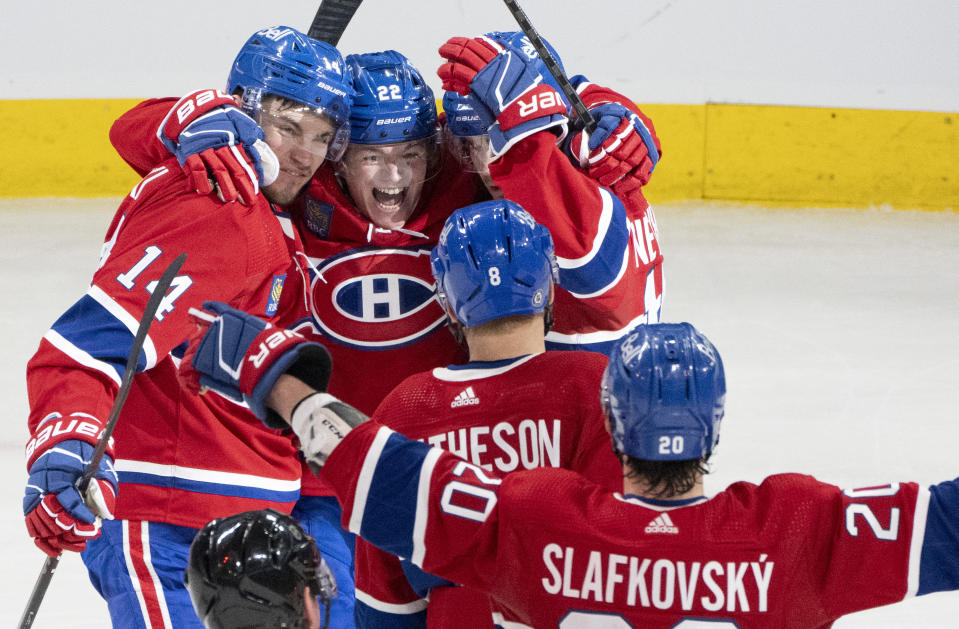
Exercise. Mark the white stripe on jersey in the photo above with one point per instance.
(918, 536)
(207, 476)
(508, 624)
(391, 608)
(365, 478)
(619, 276)
(462, 375)
(80, 356)
(129, 321)
(422, 505)
(600, 336)
(605, 218)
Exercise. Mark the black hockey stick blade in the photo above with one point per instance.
(331, 19)
(149, 312)
(582, 113)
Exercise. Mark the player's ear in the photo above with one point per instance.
(311, 608)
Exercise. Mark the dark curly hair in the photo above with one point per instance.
(665, 479)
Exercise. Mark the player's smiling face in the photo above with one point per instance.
(385, 180)
(300, 138)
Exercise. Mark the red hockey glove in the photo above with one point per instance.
(213, 139)
(57, 516)
(623, 150)
(507, 86)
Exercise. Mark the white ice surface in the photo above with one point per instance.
(838, 329)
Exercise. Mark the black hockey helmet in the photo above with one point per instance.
(250, 570)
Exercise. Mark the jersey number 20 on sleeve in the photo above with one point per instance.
(890, 532)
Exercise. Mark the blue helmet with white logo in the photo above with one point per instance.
(282, 61)
(493, 260)
(664, 391)
(463, 119)
(465, 132)
(393, 102)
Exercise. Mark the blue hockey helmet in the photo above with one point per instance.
(465, 132)
(393, 102)
(282, 61)
(251, 569)
(664, 391)
(493, 260)
(462, 118)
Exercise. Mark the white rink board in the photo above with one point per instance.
(837, 327)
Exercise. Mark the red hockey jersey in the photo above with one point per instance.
(556, 550)
(496, 415)
(607, 248)
(371, 292)
(181, 458)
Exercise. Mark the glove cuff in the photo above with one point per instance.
(188, 109)
(57, 429)
(501, 141)
(281, 352)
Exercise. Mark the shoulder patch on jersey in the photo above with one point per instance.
(317, 216)
(276, 289)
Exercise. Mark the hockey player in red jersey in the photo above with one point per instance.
(611, 275)
(178, 460)
(495, 274)
(553, 549)
(371, 290)
(368, 224)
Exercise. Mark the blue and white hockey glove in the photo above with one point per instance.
(508, 84)
(213, 139)
(241, 357)
(57, 516)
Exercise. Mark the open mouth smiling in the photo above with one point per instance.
(390, 198)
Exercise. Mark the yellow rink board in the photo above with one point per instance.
(770, 154)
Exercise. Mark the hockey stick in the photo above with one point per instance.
(331, 19)
(153, 304)
(582, 113)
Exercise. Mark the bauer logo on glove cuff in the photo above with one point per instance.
(269, 344)
(64, 429)
(196, 101)
(538, 102)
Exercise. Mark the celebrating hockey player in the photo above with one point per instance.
(258, 569)
(495, 275)
(371, 289)
(553, 549)
(177, 461)
(607, 244)
(368, 225)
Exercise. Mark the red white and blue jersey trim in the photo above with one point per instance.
(180, 458)
(790, 552)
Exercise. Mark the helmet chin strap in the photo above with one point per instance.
(455, 326)
(548, 318)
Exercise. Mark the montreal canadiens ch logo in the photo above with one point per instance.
(376, 299)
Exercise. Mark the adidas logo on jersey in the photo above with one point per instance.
(466, 397)
(662, 524)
